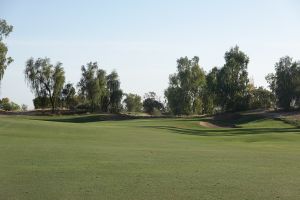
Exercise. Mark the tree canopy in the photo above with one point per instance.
(152, 105)
(285, 83)
(5, 60)
(232, 81)
(45, 79)
(186, 87)
(133, 102)
(100, 91)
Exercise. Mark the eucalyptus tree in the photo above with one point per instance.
(233, 81)
(285, 83)
(186, 87)
(115, 93)
(211, 100)
(103, 90)
(45, 79)
(89, 87)
(5, 30)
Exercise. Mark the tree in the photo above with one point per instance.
(261, 98)
(89, 87)
(7, 105)
(68, 96)
(152, 104)
(232, 81)
(186, 87)
(98, 90)
(45, 79)
(93, 87)
(41, 102)
(5, 30)
(104, 98)
(114, 92)
(285, 83)
(211, 91)
(133, 102)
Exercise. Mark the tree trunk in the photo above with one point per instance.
(52, 104)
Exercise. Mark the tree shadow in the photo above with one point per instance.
(229, 120)
(96, 118)
(225, 131)
(235, 120)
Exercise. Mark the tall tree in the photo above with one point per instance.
(186, 87)
(285, 83)
(45, 79)
(5, 30)
(89, 86)
(233, 80)
(114, 91)
(104, 99)
(211, 91)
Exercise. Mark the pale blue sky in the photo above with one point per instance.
(143, 39)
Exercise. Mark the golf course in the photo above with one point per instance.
(95, 157)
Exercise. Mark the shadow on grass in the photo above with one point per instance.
(235, 120)
(228, 120)
(225, 131)
(96, 118)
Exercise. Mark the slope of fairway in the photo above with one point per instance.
(79, 157)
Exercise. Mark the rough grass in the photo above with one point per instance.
(79, 157)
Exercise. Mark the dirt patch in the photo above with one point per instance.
(209, 125)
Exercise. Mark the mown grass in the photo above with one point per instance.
(80, 157)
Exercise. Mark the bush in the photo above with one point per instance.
(6, 105)
(41, 102)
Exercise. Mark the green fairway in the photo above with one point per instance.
(79, 157)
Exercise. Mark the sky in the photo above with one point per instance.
(142, 39)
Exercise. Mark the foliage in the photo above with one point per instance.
(41, 102)
(133, 102)
(7, 105)
(285, 83)
(5, 30)
(45, 80)
(233, 80)
(89, 87)
(100, 91)
(211, 92)
(114, 92)
(68, 96)
(186, 87)
(152, 104)
(261, 98)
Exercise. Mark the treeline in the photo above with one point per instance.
(7, 105)
(226, 89)
(191, 90)
(97, 90)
